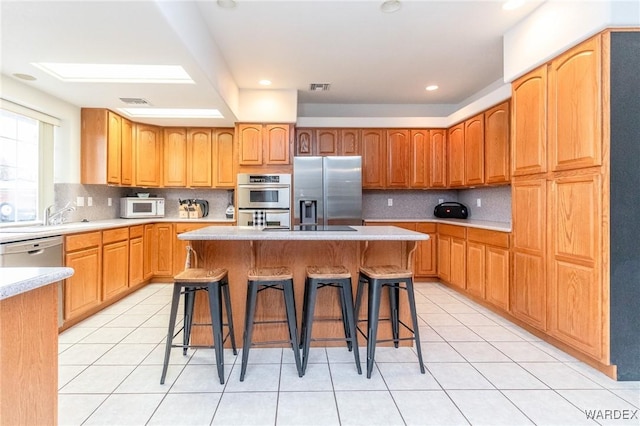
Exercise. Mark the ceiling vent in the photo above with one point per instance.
(135, 101)
(319, 87)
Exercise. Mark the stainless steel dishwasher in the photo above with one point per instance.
(38, 252)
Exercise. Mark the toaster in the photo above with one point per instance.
(451, 210)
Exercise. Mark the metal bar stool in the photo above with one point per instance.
(188, 282)
(378, 277)
(328, 276)
(275, 278)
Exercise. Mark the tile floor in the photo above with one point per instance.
(481, 370)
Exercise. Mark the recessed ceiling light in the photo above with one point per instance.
(26, 77)
(431, 88)
(512, 4)
(117, 73)
(390, 6)
(265, 82)
(171, 113)
(227, 4)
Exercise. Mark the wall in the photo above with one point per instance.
(495, 203)
(274, 106)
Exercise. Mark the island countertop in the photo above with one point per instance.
(14, 281)
(248, 233)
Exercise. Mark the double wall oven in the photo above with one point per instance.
(264, 200)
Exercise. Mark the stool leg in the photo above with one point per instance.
(175, 300)
(347, 305)
(394, 291)
(372, 316)
(215, 309)
(252, 292)
(291, 319)
(414, 319)
(227, 305)
(310, 290)
(189, 297)
(305, 303)
(344, 306)
(361, 282)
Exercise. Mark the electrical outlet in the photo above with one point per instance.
(109, 202)
(478, 202)
(389, 202)
(440, 200)
(80, 201)
(89, 201)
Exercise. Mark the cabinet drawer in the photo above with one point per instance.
(81, 241)
(113, 235)
(136, 231)
(452, 230)
(494, 238)
(426, 228)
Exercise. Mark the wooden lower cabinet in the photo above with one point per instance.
(529, 290)
(426, 259)
(149, 246)
(83, 253)
(488, 266)
(452, 255)
(498, 272)
(180, 246)
(476, 269)
(458, 262)
(162, 250)
(115, 262)
(136, 255)
(444, 257)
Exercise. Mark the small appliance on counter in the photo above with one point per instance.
(137, 207)
(451, 210)
(230, 212)
(193, 208)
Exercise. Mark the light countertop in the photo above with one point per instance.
(248, 233)
(14, 281)
(469, 223)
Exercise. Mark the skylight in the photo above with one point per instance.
(116, 73)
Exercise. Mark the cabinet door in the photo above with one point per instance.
(349, 142)
(200, 158)
(529, 123)
(249, 144)
(426, 265)
(82, 290)
(458, 275)
(476, 269)
(438, 158)
(148, 158)
(398, 159)
(115, 269)
(305, 142)
(163, 253)
(175, 157)
(326, 142)
(575, 107)
(497, 277)
(276, 144)
(224, 162)
(373, 158)
(136, 261)
(496, 144)
(114, 135)
(444, 257)
(419, 158)
(474, 150)
(150, 246)
(126, 172)
(180, 246)
(455, 155)
(575, 288)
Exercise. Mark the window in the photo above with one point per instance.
(22, 139)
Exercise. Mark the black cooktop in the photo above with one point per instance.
(314, 228)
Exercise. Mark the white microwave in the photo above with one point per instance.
(137, 208)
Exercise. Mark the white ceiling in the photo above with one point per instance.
(369, 57)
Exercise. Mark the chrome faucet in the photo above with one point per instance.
(56, 217)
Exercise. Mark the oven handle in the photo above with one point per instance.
(263, 186)
(240, 210)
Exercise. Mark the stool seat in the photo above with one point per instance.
(386, 272)
(199, 275)
(270, 274)
(328, 272)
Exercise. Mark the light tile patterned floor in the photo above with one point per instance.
(481, 370)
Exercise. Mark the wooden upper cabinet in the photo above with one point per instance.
(326, 142)
(349, 142)
(496, 144)
(114, 145)
(174, 172)
(305, 142)
(438, 158)
(126, 152)
(456, 155)
(373, 158)
(148, 155)
(419, 158)
(200, 158)
(398, 158)
(474, 150)
(528, 126)
(276, 144)
(224, 170)
(249, 144)
(575, 107)
(100, 147)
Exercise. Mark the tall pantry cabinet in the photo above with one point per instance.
(573, 132)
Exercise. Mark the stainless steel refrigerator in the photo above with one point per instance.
(327, 190)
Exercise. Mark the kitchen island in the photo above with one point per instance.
(239, 248)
